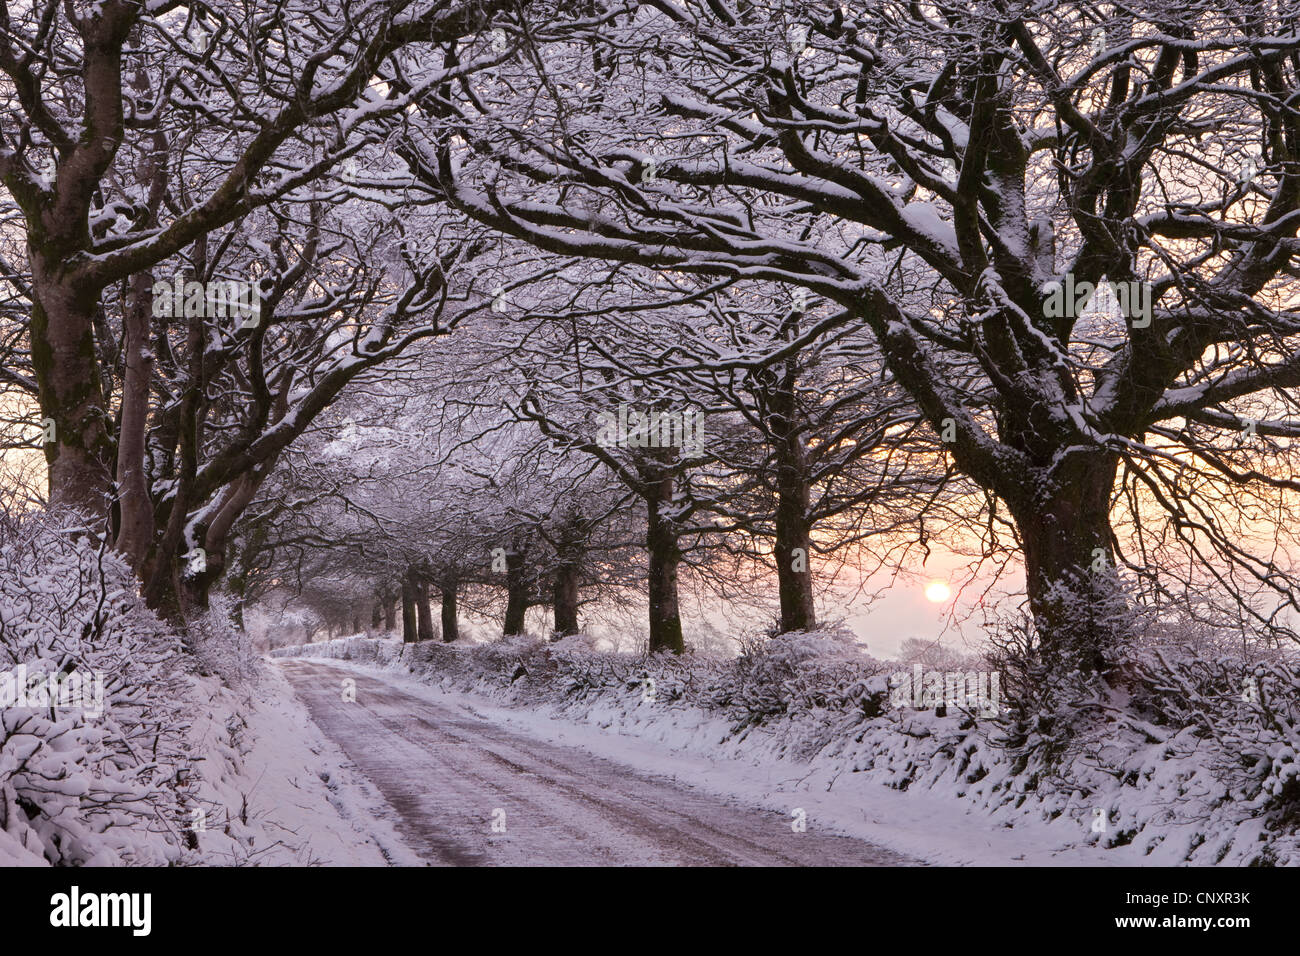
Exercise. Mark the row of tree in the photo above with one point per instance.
(838, 238)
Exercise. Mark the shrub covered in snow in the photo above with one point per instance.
(219, 646)
(76, 787)
(1242, 704)
(816, 679)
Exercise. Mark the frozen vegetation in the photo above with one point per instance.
(200, 756)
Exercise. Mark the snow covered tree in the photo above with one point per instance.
(798, 410)
(1070, 230)
(146, 144)
(423, 478)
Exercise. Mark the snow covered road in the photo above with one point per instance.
(467, 791)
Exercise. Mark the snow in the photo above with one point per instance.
(927, 220)
(302, 799)
(185, 758)
(271, 790)
(923, 785)
(687, 748)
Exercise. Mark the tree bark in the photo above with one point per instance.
(424, 618)
(664, 558)
(80, 453)
(234, 501)
(517, 592)
(136, 526)
(136, 522)
(450, 624)
(164, 591)
(565, 598)
(793, 554)
(410, 630)
(390, 611)
(1075, 595)
(793, 529)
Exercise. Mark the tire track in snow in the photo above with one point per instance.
(446, 772)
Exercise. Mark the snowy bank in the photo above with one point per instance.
(189, 751)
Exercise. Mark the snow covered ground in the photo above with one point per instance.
(472, 790)
(689, 750)
(270, 789)
(616, 759)
(286, 793)
(922, 785)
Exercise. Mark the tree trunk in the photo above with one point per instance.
(664, 558)
(517, 588)
(164, 592)
(136, 524)
(376, 613)
(390, 611)
(793, 529)
(234, 501)
(410, 631)
(79, 453)
(424, 618)
(1078, 604)
(136, 527)
(793, 554)
(450, 625)
(565, 598)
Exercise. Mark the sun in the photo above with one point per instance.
(937, 592)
